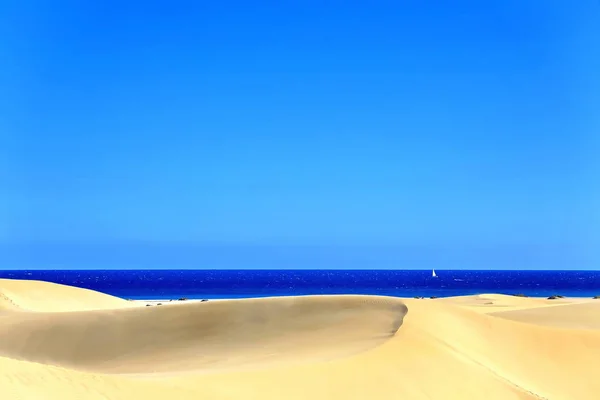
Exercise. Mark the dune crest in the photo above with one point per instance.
(52, 297)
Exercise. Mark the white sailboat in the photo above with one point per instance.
(433, 273)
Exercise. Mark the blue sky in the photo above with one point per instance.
(446, 134)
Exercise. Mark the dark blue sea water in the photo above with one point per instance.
(212, 284)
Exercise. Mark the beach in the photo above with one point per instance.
(62, 342)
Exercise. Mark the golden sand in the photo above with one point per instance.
(59, 342)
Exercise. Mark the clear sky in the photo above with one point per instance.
(330, 134)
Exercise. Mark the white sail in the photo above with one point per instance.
(433, 273)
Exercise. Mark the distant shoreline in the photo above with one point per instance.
(164, 285)
(199, 300)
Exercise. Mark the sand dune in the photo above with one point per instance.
(318, 347)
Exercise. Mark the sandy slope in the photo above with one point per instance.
(584, 315)
(492, 303)
(317, 347)
(578, 313)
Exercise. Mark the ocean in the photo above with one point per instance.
(219, 284)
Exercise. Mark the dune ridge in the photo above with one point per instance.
(202, 336)
(321, 347)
